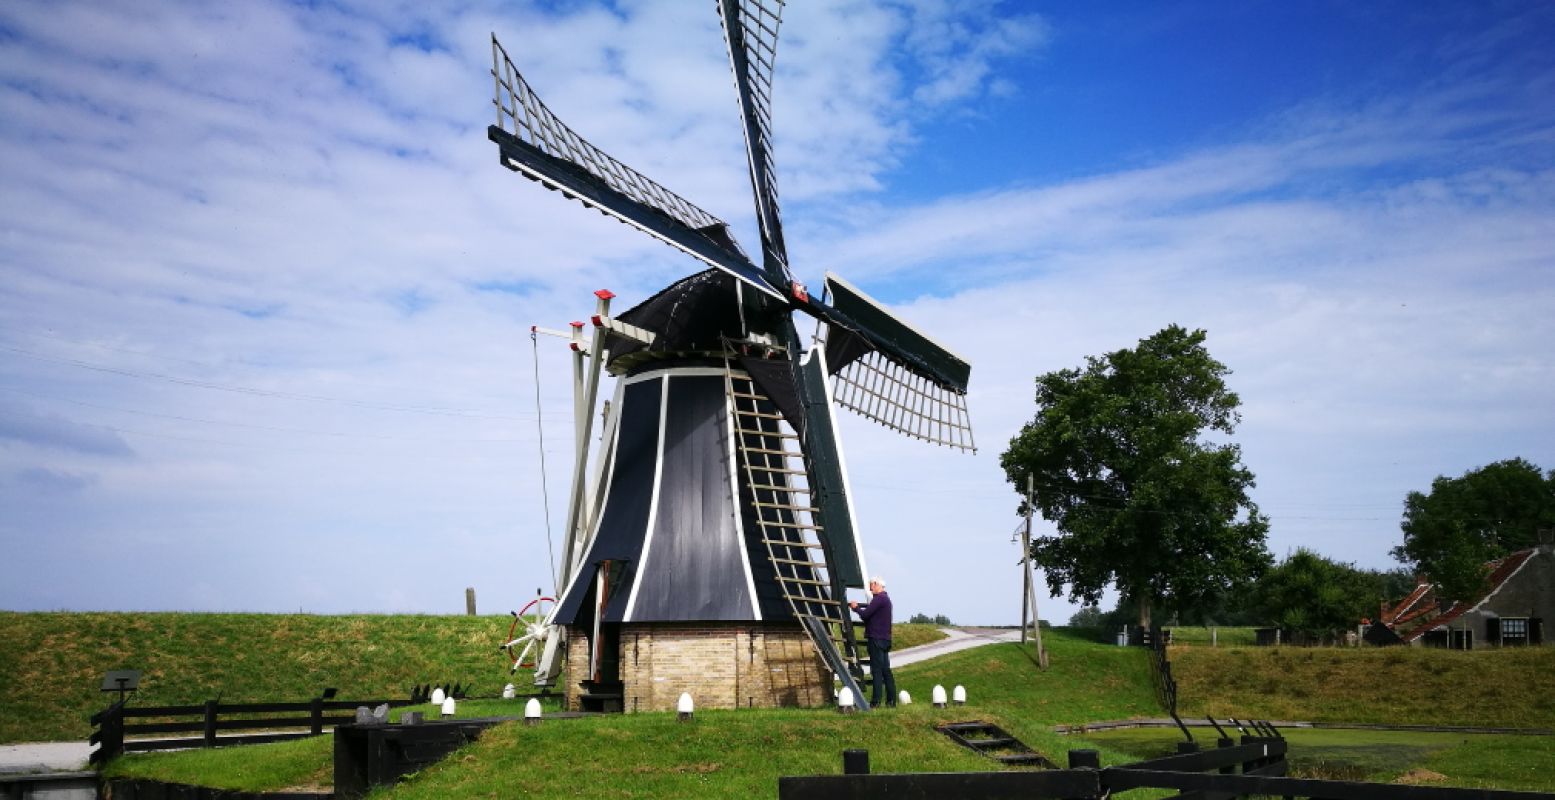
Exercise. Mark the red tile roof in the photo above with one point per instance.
(1500, 570)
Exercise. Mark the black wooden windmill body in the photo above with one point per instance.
(719, 493)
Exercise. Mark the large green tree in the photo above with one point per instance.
(1317, 597)
(1140, 498)
(1463, 522)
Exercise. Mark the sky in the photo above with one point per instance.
(266, 292)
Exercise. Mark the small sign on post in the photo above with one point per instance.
(122, 681)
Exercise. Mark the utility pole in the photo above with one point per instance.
(1028, 606)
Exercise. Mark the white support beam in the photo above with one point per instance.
(623, 329)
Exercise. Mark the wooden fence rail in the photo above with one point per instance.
(113, 723)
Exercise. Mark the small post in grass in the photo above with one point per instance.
(855, 762)
(1084, 759)
(845, 701)
(210, 723)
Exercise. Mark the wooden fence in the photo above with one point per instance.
(1256, 766)
(212, 718)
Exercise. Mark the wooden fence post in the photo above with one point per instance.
(210, 723)
(1084, 759)
(110, 734)
(316, 715)
(855, 762)
(1229, 769)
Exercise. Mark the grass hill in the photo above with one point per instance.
(738, 753)
(1395, 685)
(52, 664)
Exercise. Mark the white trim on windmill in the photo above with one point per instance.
(653, 500)
(842, 461)
(739, 521)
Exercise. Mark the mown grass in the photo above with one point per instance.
(912, 634)
(1444, 759)
(1394, 685)
(52, 664)
(742, 753)
(299, 765)
(1218, 636)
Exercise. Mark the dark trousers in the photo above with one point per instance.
(880, 670)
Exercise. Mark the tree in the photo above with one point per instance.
(1482, 515)
(1088, 617)
(1139, 499)
(1313, 596)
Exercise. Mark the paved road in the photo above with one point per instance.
(43, 756)
(956, 639)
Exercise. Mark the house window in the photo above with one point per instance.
(1514, 630)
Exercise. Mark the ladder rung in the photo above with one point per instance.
(747, 396)
(773, 488)
(779, 470)
(805, 545)
(760, 504)
(799, 525)
(805, 581)
(823, 601)
(769, 452)
(762, 414)
(797, 562)
(778, 434)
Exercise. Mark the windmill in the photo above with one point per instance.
(716, 517)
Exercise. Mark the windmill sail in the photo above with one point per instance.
(889, 372)
(533, 142)
(751, 32)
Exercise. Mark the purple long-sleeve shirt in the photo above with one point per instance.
(876, 616)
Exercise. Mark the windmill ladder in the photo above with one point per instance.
(789, 526)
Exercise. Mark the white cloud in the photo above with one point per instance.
(252, 200)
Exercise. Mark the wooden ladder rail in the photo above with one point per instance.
(792, 544)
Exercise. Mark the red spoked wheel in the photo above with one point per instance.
(527, 633)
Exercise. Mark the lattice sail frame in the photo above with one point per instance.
(879, 389)
(521, 113)
(751, 33)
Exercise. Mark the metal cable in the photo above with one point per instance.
(545, 493)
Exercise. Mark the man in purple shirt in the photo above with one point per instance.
(877, 638)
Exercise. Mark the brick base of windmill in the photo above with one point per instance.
(721, 665)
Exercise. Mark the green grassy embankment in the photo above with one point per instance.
(52, 664)
(1391, 685)
(739, 753)
(742, 753)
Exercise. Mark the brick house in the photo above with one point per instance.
(1510, 612)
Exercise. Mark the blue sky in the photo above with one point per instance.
(265, 291)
